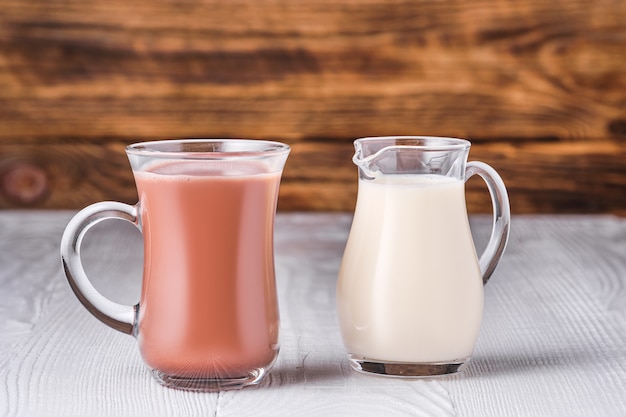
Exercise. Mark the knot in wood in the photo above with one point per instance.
(25, 183)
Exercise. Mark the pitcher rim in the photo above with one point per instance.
(444, 142)
(166, 148)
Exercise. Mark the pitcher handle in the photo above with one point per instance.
(118, 316)
(501, 216)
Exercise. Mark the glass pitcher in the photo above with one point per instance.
(410, 286)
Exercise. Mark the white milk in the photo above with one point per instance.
(410, 288)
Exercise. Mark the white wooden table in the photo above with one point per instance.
(553, 340)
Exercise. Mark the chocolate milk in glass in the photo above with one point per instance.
(209, 265)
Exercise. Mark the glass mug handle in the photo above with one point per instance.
(118, 316)
(501, 216)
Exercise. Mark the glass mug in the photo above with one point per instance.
(410, 285)
(208, 316)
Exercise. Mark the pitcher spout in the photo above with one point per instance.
(371, 165)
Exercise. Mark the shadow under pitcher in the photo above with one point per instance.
(410, 286)
(207, 318)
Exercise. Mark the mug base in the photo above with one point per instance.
(407, 369)
(209, 384)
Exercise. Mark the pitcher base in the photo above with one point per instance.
(209, 384)
(407, 370)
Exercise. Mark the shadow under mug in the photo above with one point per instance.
(207, 318)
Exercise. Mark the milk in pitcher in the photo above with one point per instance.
(410, 287)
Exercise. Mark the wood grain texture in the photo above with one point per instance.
(564, 177)
(533, 77)
(551, 344)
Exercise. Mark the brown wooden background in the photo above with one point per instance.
(538, 86)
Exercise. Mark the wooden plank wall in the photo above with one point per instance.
(538, 86)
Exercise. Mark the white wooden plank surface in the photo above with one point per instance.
(552, 342)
